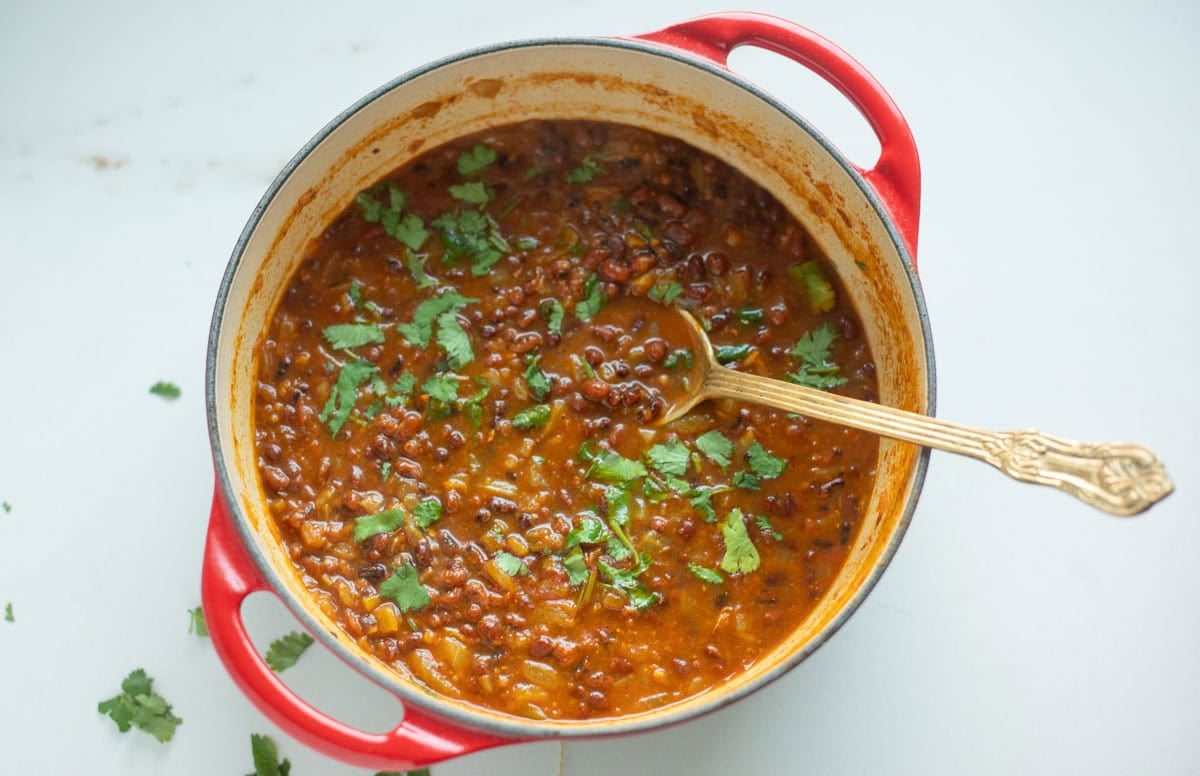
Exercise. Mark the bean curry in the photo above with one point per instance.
(456, 438)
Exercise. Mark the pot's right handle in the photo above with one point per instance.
(896, 176)
(229, 575)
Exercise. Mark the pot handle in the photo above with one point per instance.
(229, 575)
(896, 176)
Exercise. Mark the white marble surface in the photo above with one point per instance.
(1016, 631)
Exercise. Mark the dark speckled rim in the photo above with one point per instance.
(513, 727)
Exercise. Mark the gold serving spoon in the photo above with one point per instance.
(1118, 477)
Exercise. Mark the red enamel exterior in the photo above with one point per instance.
(229, 576)
(896, 176)
(229, 572)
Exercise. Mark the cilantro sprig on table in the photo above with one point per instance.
(167, 390)
(266, 758)
(139, 706)
(284, 651)
(196, 622)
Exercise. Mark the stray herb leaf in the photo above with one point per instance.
(196, 622)
(7, 507)
(589, 167)
(510, 564)
(533, 417)
(552, 310)
(740, 555)
(428, 512)
(764, 524)
(716, 447)
(453, 341)
(284, 651)
(442, 387)
(816, 369)
(266, 758)
(745, 481)
(476, 160)
(612, 467)
(405, 589)
(706, 574)
(379, 523)
(670, 458)
(665, 292)
(345, 393)
(421, 329)
(681, 356)
(139, 706)
(474, 193)
(727, 354)
(539, 384)
(8, 613)
(169, 391)
(352, 335)
(762, 463)
(594, 299)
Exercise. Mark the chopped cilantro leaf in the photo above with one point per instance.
(816, 369)
(266, 758)
(345, 393)
(284, 651)
(715, 446)
(428, 512)
(476, 160)
(594, 299)
(727, 354)
(552, 310)
(612, 467)
(410, 230)
(405, 589)
(670, 459)
(139, 706)
(589, 531)
(765, 525)
(665, 292)
(474, 193)
(352, 335)
(169, 391)
(740, 555)
(416, 265)
(627, 581)
(762, 463)
(421, 329)
(453, 341)
(379, 523)
(589, 167)
(706, 574)
(821, 297)
(576, 567)
(682, 356)
(618, 503)
(397, 199)
(527, 243)
(355, 294)
(749, 316)
(745, 481)
(469, 233)
(402, 388)
(442, 387)
(196, 622)
(539, 384)
(510, 564)
(385, 470)
(473, 405)
(369, 207)
(533, 417)
(616, 550)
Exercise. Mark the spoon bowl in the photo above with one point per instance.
(1120, 478)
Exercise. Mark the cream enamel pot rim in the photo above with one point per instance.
(675, 82)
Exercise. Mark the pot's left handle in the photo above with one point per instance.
(229, 575)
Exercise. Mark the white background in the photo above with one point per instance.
(1016, 631)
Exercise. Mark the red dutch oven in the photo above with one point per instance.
(675, 82)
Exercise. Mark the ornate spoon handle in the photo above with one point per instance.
(1119, 478)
